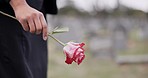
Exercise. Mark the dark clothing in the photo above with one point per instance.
(49, 6)
(22, 54)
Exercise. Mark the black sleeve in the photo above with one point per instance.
(5, 1)
(50, 6)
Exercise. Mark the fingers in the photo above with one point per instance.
(44, 27)
(41, 26)
(24, 24)
(38, 25)
(31, 25)
(35, 23)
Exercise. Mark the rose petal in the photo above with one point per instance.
(68, 60)
(74, 52)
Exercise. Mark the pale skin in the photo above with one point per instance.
(31, 19)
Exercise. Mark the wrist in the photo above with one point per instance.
(17, 3)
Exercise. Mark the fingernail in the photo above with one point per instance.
(45, 38)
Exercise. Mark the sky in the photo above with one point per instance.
(108, 5)
(99, 4)
(136, 4)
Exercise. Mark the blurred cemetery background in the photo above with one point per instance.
(115, 33)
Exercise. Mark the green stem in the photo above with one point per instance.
(63, 44)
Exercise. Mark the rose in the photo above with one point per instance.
(74, 52)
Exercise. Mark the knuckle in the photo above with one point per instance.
(21, 19)
(27, 17)
(40, 14)
(33, 14)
